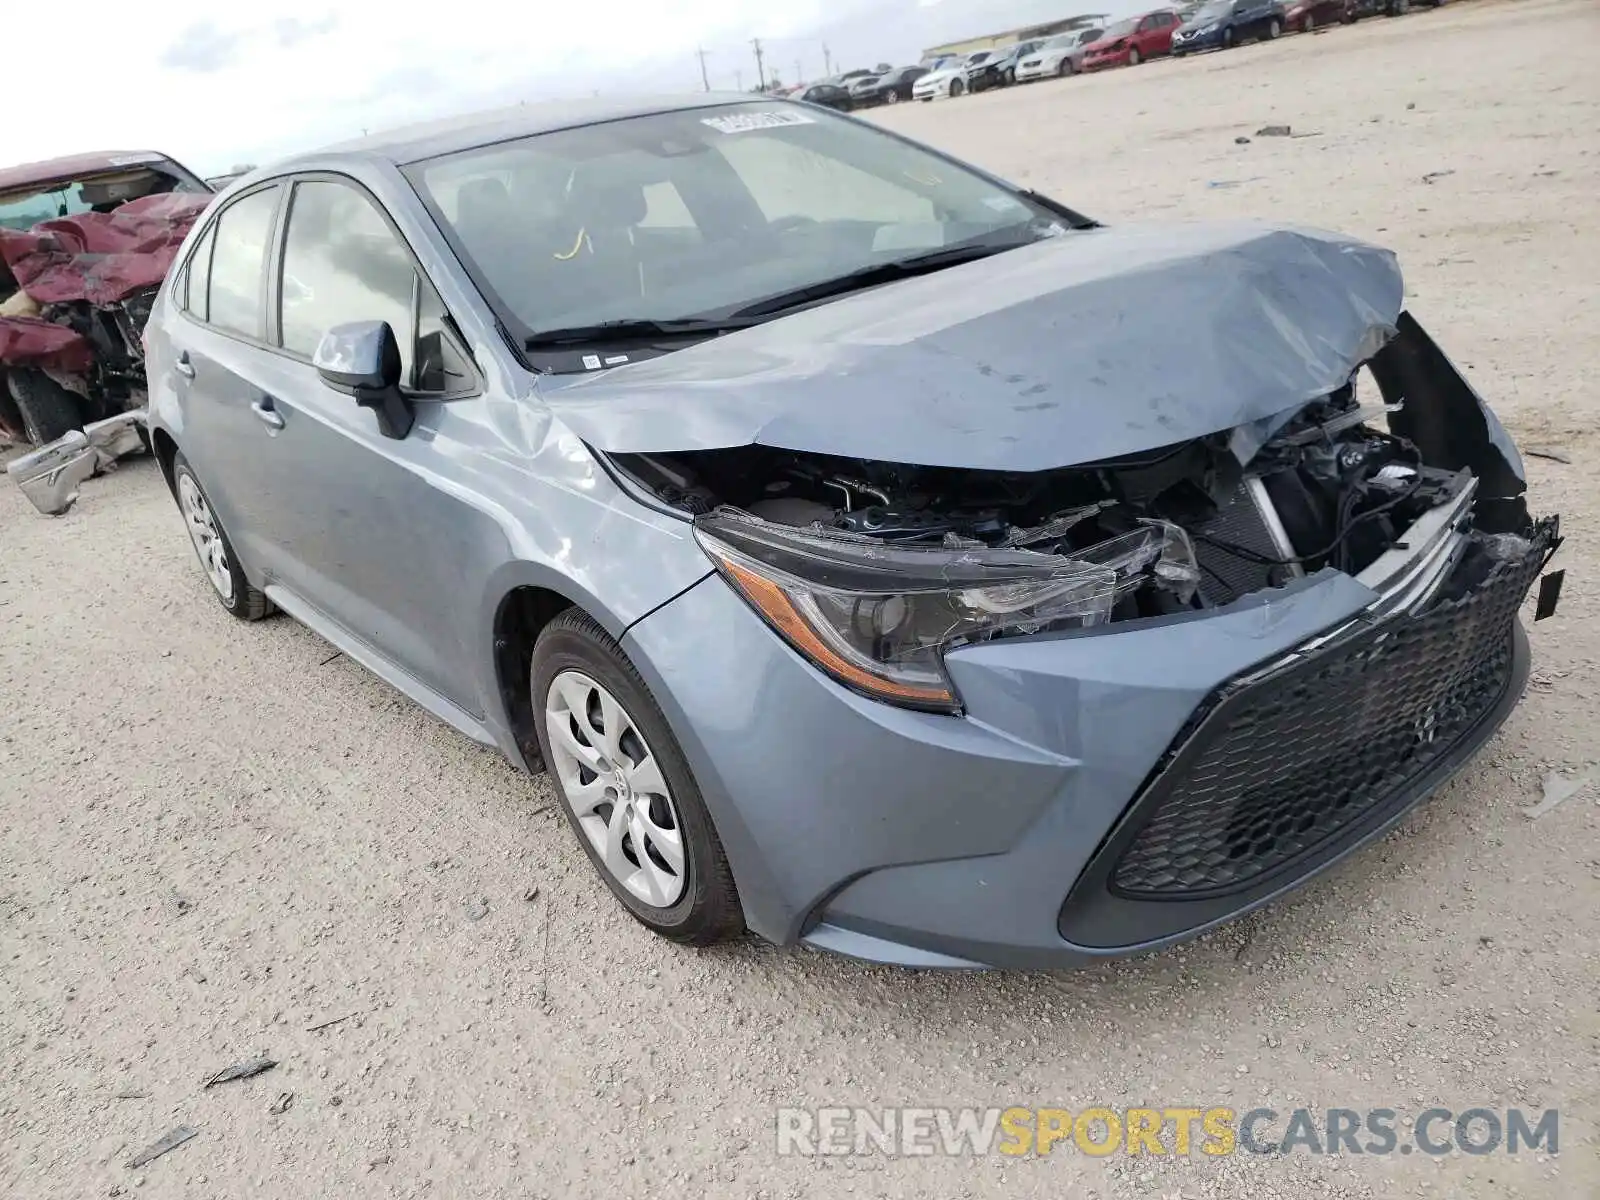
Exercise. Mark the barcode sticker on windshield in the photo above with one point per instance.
(744, 122)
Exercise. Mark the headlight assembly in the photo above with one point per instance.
(878, 616)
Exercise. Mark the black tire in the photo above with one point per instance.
(1308, 23)
(1274, 28)
(956, 88)
(1399, 8)
(1065, 69)
(1227, 38)
(244, 600)
(47, 410)
(1134, 58)
(891, 98)
(708, 910)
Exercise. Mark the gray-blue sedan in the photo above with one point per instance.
(876, 555)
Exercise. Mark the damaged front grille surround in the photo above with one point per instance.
(1284, 760)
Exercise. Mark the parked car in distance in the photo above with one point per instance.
(1000, 69)
(1380, 8)
(1061, 55)
(1129, 43)
(890, 88)
(1306, 15)
(730, 523)
(950, 80)
(828, 95)
(1222, 24)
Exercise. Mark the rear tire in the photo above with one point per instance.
(1308, 23)
(1274, 29)
(212, 547)
(46, 409)
(581, 683)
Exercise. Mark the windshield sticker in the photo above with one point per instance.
(1003, 203)
(744, 122)
(616, 359)
(591, 362)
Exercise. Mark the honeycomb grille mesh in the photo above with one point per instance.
(1287, 761)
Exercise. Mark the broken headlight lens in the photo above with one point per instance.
(878, 616)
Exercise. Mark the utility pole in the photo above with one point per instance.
(827, 60)
(738, 79)
(761, 70)
(799, 74)
(704, 78)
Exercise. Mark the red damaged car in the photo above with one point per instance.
(84, 243)
(1128, 43)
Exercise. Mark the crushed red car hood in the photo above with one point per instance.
(96, 258)
(102, 257)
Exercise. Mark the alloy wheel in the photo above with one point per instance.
(205, 535)
(615, 788)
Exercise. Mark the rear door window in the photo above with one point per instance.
(242, 233)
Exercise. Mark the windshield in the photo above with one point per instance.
(1211, 12)
(701, 212)
(26, 207)
(1063, 41)
(1120, 29)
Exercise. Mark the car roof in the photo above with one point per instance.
(50, 169)
(430, 139)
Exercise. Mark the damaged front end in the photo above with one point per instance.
(875, 570)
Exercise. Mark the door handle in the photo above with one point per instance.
(269, 415)
(183, 366)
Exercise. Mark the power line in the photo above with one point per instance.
(704, 78)
(761, 70)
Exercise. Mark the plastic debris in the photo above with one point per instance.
(242, 1070)
(1557, 791)
(282, 1104)
(1432, 175)
(1274, 131)
(1546, 452)
(170, 1140)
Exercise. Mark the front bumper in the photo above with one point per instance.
(1026, 73)
(1209, 40)
(1100, 62)
(1061, 820)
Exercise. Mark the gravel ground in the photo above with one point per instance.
(215, 838)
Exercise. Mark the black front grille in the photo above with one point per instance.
(1275, 765)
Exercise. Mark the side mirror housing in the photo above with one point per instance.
(362, 359)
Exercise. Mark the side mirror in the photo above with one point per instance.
(362, 359)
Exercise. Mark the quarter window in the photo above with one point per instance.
(197, 276)
(238, 245)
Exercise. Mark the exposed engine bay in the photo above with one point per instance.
(1331, 488)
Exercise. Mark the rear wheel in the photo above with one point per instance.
(626, 787)
(45, 408)
(1274, 29)
(212, 547)
(1307, 23)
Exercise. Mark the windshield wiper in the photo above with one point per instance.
(889, 272)
(633, 330)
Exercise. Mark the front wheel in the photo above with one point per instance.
(1308, 23)
(956, 88)
(47, 410)
(1066, 68)
(626, 787)
(1274, 29)
(1133, 58)
(892, 98)
(1227, 38)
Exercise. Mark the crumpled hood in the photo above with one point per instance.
(1078, 348)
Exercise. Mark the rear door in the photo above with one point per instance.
(220, 357)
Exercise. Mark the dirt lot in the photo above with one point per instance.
(215, 838)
